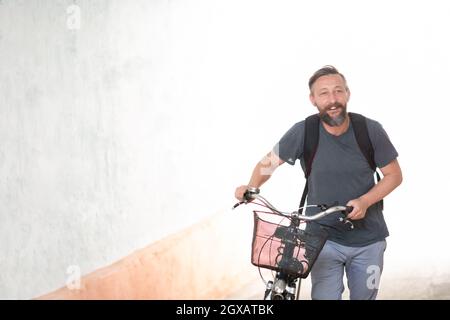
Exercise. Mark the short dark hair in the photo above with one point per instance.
(324, 71)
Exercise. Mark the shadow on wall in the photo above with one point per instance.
(207, 261)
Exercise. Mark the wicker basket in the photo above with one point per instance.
(281, 247)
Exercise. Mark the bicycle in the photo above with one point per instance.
(289, 250)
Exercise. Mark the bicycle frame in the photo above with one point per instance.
(284, 285)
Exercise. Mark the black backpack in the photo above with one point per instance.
(311, 141)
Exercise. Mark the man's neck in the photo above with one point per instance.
(338, 130)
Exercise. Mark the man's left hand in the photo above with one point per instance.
(359, 209)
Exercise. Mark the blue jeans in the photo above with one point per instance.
(363, 267)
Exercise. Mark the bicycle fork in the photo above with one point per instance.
(282, 288)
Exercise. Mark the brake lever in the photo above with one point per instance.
(344, 219)
(238, 204)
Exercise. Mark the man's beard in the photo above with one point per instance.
(336, 120)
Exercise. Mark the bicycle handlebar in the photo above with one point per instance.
(291, 267)
(253, 193)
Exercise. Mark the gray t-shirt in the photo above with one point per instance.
(340, 173)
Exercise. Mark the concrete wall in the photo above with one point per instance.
(200, 262)
(97, 150)
(123, 122)
(113, 133)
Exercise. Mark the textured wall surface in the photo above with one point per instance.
(114, 124)
(101, 146)
(201, 262)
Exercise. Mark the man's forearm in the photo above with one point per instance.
(264, 169)
(260, 175)
(382, 189)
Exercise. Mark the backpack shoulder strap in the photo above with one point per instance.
(359, 124)
(310, 141)
(362, 137)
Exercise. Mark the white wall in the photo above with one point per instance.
(144, 120)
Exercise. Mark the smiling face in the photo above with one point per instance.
(330, 95)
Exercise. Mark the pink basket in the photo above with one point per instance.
(271, 240)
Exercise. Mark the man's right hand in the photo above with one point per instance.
(239, 193)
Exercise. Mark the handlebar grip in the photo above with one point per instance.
(348, 209)
(248, 195)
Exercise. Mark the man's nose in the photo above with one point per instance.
(332, 98)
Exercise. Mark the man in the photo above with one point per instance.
(341, 173)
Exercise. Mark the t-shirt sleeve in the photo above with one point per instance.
(290, 146)
(384, 150)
